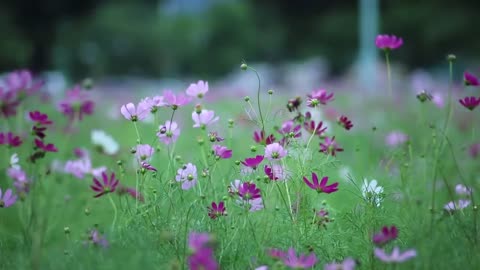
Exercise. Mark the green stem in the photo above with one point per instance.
(114, 210)
(136, 131)
(389, 73)
(258, 98)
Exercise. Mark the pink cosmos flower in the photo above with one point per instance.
(147, 166)
(248, 193)
(8, 103)
(202, 253)
(345, 122)
(22, 83)
(187, 175)
(301, 262)
(470, 79)
(39, 118)
(463, 190)
(97, 239)
(216, 211)
(396, 256)
(276, 172)
(456, 205)
(319, 97)
(108, 185)
(222, 151)
(143, 152)
(8, 198)
(21, 182)
(347, 264)
(76, 103)
(259, 137)
(330, 146)
(275, 151)
(175, 101)
(253, 162)
(10, 139)
(388, 42)
(169, 132)
(396, 138)
(204, 118)
(385, 235)
(310, 127)
(197, 90)
(135, 114)
(290, 127)
(470, 102)
(322, 185)
(45, 147)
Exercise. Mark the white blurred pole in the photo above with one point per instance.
(368, 53)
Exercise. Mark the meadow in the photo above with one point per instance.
(196, 179)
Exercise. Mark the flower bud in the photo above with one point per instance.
(66, 230)
(247, 99)
(270, 92)
(200, 141)
(237, 162)
(198, 108)
(451, 57)
(243, 66)
(253, 148)
(87, 84)
(87, 211)
(178, 158)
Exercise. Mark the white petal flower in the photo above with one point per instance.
(105, 141)
(14, 161)
(372, 192)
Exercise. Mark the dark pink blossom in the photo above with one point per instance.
(299, 262)
(45, 147)
(76, 103)
(39, 118)
(253, 162)
(310, 127)
(259, 137)
(217, 210)
(132, 192)
(388, 42)
(319, 97)
(387, 234)
(22, 83)
(222, 151)
(321, 187)
(345, 122)
(470, 102)
(108, 185)
(10, 139)
(470, 79)
(330, 146)
(8, 103)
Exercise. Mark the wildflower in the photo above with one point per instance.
(169, 132)
(323, 218)
(222, 151)
(45, 147)
(108, 185)
(345, 122)
(311, 128)
(253, 162)
(347, 264)
(197, 241)
(78, 168)
(249, 194)
(8, 103)
(143, 152)
(21, 83)
(202, 260)
(76, 103)
(276, 172)
(388, 42)
(213, 136)
(288, 128)
(39, 118)
(385, 235)
(470, 79)
(396, 138)
(187, 175)
(276, 253)
(294, 104)
(14, 161)
(372, 192)
(463, 190)
(132, 192)
(395, 256)
(474, 150)
(132, 113)
(249, 191)
(319, 97)
(10, 139)
(456, 205)
(216, 211)
(301, 262)
(259, 137)
(147, 166)
(322, 186)
(330, 146)
(175, 101)
(275, 151)
(104, 142)
(97, 239)
(204, 118)
(470, 102)
(8, 198)
(21, 182)
(197, 90)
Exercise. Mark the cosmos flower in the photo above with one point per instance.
(143, 152)
(470, 102)
(39, 118)
(8, 198)
(108, 185)
(45, 147)
(222, 151)
(290, 127)
(216, 211)
(253, 162)
(290, 259)
(175, 101)
(347, 264)
(198, 89)
(463, 190)
(168, 133)
(388, 42)
(275, 172)
(10, 139)
(387, 234)
(275, 151)
(104, 142)
(132, 113)
(187, 175)
(330, 146)
(396, 138)
(132, 192)
(8, 103)
(319, 97)
(345, 122)
(321, 187)
(470, 79)
(76, 104)
(21, 82)
(456, 205)
(201, 257)
(396, 256)
(310, 127)
(204, 118)
(259, 137)
(21, 182)
(372, 192)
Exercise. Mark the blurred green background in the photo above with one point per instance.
(209, 38)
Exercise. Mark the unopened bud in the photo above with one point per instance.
(247, 99)
(87, 84)
(451, 57)
(243, 66)
(270, 92)
(253, 148)
(66, 230)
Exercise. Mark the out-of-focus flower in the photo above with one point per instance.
(299, 262)
(105, 142)
(204, 118)
(198, 89)
(456, 205)
(396, 256)
(45, 147)
(10, 139)
(187, 175)
(253, 162)
(345, 122)
(259, 137)
(175, 101)
(8, 198)
(97, 239)
(470, 102)
(294, 104)
(201, 257)
(14, 161)
(474, 150)
(388, 42)
(39, 118)
(372, 192)
(275, 172)
(396, 138)
(330, 146)
(470, 79)
(463, 190)
(144, 152)
(319, 97)
(347, 264)
(132, 192)
(21, 82)
(76, 103)
(387, 234)
(310, 127)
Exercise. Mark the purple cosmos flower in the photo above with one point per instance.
(275, 151)
(396, 138)
(78, 168)
(322, 186)
(289, 127)
(97, 239)
(470, 79)
(197, 90)
(187, 175)
(474, 150)
(470, 102)
(168, 133)
(135, 114)
(8, 198)
(259, 137)
(39, 118)
(345, 122)
(385, 235)
(76, 103)
(204, 118)
(8, 103)
(222, 151)
(250, 195)
(396, 256)
(319, 97)
(21, 182)
(213, 136)
(216, 211)
(108, 185)
(388, 42)
(463, 190)
(202, 260)
(300, 262)
(132, 192)
(45, 147)
(249, 191)
(347, 264)
(276, 172)
(253, 162)
(310, 127)
(21, 82)
(330, 146)
(458, 205)
(10, 139)
(147, 166)
(175, 101)
(143, 152)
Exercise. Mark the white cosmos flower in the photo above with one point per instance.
(14, 161)
(372, 192)
(105, 141)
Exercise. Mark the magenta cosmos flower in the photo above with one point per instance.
(259, 137)
(396, 138)
(470, 79)
(396, 256)
(39, 118)
(8, 198)
(290, 259)
(319, 97)
(175, 101)
(204, 118)
(10, 139)
(198, 89)
(144, 152)
(385, 235)
(311, 128)
(201, 257)
(253, 162)
(222, 151)
(132, 113)
(250, 195)
(108, 184)
(275, 151)
(322, 185)
(289, 128)
(22, 83)
(347, 264)
(76, 103)
(345, 122)
(50, 147)
(470, 102)
(217, 210)
(388, 42)
(330, 146)
(187, 175)
(169, 132)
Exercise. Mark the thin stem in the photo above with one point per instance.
(389, 73)
(114, 210)
(136, 131)
(258, 99)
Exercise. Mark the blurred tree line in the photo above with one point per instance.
(98, 37)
